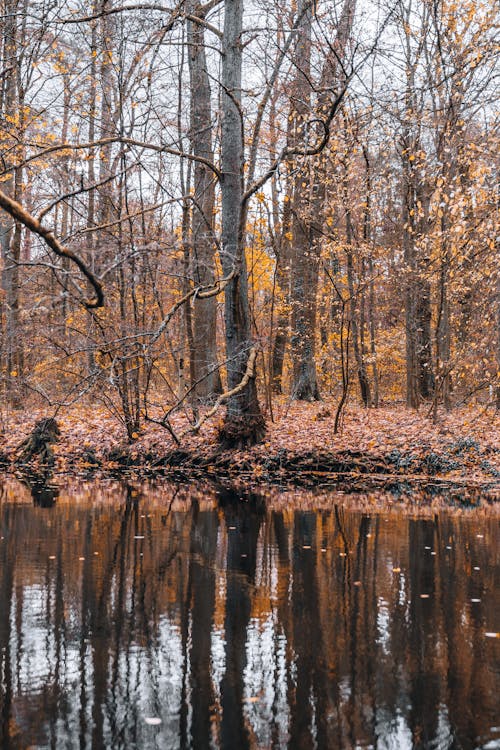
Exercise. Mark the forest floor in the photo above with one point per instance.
(387, 448)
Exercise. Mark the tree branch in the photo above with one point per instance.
(199, 292)
(224, 397)
(14, 209)
(119, 139)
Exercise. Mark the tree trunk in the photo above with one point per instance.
(309, 197)
(10, 231)
(244, 423)
(356, 329)
(419, 370)
(304, 265)
(205, 366)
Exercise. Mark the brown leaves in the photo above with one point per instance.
(464, 446)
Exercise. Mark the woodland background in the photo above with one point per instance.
(248, 200)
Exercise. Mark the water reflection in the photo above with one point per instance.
(243, 626)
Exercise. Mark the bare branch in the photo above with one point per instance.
(201, 22)
(119, 139)
(123, 9)
(224, 397)
(199, 292)
(14, 209)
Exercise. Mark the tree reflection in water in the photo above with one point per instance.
(241, 625)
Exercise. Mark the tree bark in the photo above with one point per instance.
(206, 373)
(10, 229)
(244, 423)
(309, 198)
(304, 266)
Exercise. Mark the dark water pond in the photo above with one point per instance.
(184, 618)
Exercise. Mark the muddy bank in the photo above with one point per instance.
(466, 473)
(390, 449)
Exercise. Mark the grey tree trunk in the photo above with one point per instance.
(244, 423)
(309, 198)
(205, 370)
(415, 202)
(356, 328)
(10, 231)
(283, 260)
(108, 207)
(304, 265)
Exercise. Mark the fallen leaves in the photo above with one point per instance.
(464, 447)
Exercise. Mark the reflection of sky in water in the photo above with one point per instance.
(266, 682)
(392, 732)
(91, 649)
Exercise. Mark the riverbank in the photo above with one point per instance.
(388, 448)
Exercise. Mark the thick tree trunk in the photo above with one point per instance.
(304, 265)
(310, 197)
(10, 231)
(244, 423)
(416, 198)
(205, 366)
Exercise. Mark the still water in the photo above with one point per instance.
(180, 617)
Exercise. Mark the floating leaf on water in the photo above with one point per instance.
(152, 720)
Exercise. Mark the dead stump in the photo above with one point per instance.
(36, 447)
